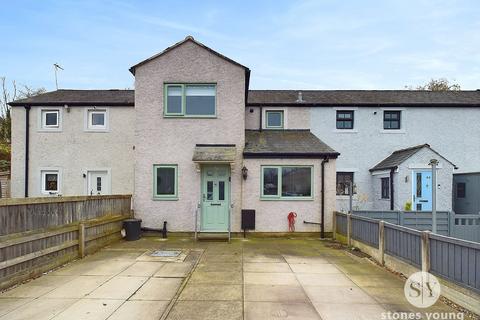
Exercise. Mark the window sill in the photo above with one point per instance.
(96, 130)
(189, 117)
(342, 196)
(286, 199)
(345, 131)
(165, 199)
(49, 130)
(394, 131)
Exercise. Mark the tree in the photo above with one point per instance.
(9, 95)
(440, 84)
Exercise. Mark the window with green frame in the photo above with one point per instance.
(190, 100)
(274, 119)
(165, 179)
(287, 182)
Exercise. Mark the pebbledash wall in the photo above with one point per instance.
(86, 150)
(162, 140)
(451, 131)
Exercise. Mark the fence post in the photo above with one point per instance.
(425, 251)
(381, 242)
(334, 225)
(81, 240)
(349, 229)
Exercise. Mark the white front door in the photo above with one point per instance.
(98, 182)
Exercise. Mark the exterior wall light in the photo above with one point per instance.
(244, 173)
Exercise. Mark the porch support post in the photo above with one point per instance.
(434, 163)
(425, 240)
(381, 242)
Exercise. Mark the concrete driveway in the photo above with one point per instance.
(253, 279)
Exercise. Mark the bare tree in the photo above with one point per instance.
(441, 84)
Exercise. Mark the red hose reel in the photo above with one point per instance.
(291, 221)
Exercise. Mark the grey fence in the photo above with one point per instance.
(403, 243)
(365, 230)
(460, 226)
(453, 259)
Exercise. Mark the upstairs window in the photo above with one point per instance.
(97, 119)
(344, 179)
(274, 119)
(344, 119)
(391, 120)
(461, 190)
(385, 188)
(190, 100)
(50, 119)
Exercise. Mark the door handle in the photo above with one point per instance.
(215, 204)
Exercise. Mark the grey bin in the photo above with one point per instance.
(132, 229)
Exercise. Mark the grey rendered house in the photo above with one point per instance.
(195, 146)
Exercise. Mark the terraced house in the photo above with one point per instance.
(195, 146)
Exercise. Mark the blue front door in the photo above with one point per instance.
(422, 190)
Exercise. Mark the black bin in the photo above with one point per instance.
(132, 229)
(248, 219)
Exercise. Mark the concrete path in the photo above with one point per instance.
(253, 279)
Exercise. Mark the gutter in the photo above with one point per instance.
(322, 210)
(292, 155)
(27, 148)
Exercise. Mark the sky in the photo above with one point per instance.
(320, 44)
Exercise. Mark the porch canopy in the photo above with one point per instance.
(214, 153)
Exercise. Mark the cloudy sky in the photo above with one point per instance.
(287, 44)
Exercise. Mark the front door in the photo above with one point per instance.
(215, 197)
(98, 183)
(422, 190)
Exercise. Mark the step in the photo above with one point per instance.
(212, 236)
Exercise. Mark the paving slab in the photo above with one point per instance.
(270, 278)
(9, 304)
(323, 268)
(280, 310)
(79, 287)
(39, 309)
(377, 281)
(219, 267)
(158, 289)
(330, 311)
(316, 279)
(51, 280)
(303, 259)
(216, 278)
(222, 258)
(142, 269)
(76, 268)
(275, 293)
(361, 268)
(108, 268)
(174, 270)
(140, 310)
(324, 294)
(211, 310)
(266, 267)
(118, 288)
(28, 290)
(89, 309)
(387, 295)
(263, 258)
(205, 292)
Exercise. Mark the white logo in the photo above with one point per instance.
(422, 289)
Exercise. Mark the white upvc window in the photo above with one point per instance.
(50, 119)
(96, 119)
(50, 181)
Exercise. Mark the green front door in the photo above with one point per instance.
(215, 197)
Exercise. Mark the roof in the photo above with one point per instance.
(364, 98)
(399, 156)
(285, 144)
(214, 153)
(187, 39)
(112, 97)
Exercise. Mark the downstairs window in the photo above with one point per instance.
(287, 182)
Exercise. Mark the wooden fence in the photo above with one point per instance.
(38, 234)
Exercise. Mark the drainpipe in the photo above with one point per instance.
(392, 200)
(27, 142)
(434, 163)
(261, 118)
(322, 226)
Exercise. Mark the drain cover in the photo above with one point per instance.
(165, 253)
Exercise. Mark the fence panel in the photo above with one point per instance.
(466, 226)
(392, 217)
(341, 223)
(456, 260)
(403, 243)
(421, 220)
(365, 230)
